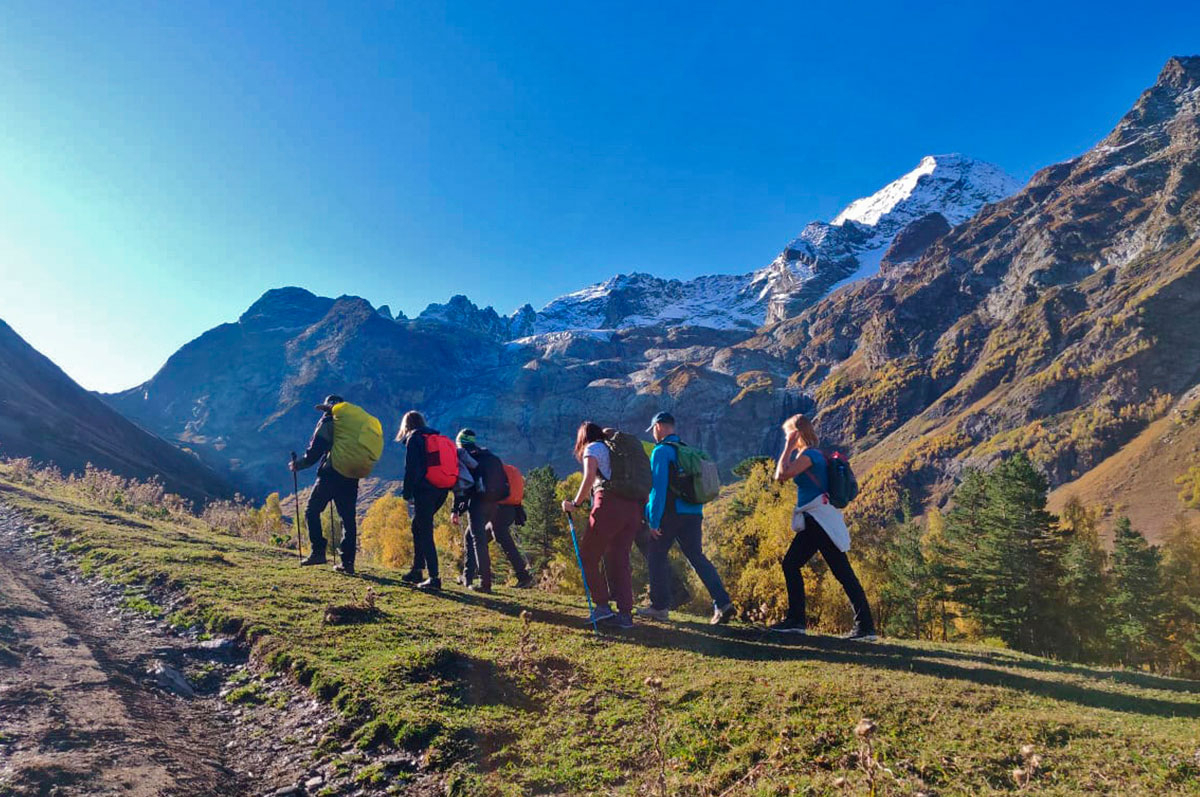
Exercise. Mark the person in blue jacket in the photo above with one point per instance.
(670, 518)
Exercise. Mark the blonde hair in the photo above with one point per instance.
(801, 423)
(411, 422)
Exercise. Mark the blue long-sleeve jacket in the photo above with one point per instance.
(662, 459)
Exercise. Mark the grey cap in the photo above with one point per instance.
(662, 417)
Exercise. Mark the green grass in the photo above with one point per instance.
(738, 712)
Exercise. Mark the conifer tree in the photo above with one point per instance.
(1181, 576)
(544, 516)
(1085, 584)
(1137, 602)
(1006, 556)
(907, 589)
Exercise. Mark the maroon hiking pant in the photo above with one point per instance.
(612, 525)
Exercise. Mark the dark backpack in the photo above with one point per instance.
(843, 487)
(491, 482)
(630, 477)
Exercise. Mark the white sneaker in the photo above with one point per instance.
(654, 614)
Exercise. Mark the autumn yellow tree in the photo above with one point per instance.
(385, 534)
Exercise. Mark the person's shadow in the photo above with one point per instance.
(751, 643)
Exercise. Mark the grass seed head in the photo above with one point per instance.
(1026, 750)
(865, 728)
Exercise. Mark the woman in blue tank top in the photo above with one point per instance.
(819, 527)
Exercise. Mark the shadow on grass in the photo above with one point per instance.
(748, 644)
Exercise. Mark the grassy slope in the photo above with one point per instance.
(740, 713)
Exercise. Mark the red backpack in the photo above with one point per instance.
(516, 486)
(441, 461)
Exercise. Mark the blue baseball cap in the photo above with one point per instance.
(662, 417)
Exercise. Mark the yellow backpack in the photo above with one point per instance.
(357, 440)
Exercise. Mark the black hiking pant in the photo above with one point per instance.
(805, 544)
(502, 524)
(343, 492)
(426, 503)
(480, 513)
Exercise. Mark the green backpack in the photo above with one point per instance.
(695, 478)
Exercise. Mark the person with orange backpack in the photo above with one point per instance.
(511, 511)
(479, 502)
(430, 471)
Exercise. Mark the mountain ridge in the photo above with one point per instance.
(1051, 321)
(46, 416)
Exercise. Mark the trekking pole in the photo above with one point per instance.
(339, 548)
(587, 592)
(296, 494)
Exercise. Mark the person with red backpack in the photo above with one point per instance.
(488, 488)
(430, 470)
(823, 486)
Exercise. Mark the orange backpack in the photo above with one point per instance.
(516, 486)
(441, 461)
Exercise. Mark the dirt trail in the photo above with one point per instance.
(80, 711)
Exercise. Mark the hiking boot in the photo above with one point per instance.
(431, 584)
(662, 615)
(600, 614)
(346, 568)
(789, 626)
(721, 614)
(413, 577)
(525, 582)
(622, 620)
(313, 559)
(862, 635)
(483, 589)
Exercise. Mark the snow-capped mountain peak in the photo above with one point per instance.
(954, 185)
(824, 256)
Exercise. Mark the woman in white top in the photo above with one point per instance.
(612, 524)
(819, 526)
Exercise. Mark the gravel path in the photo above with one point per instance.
(98, 699)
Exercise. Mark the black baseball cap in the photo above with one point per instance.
(662, 417)
(330, 400)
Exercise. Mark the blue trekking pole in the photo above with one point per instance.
(578, 558)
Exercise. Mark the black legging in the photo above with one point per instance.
(480, 513)
(426, 503)
(808, 541)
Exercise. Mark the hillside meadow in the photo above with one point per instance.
(511, 694)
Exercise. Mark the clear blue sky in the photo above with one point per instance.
(163, 164)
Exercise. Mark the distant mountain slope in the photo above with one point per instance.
(1138, 481)
(47, 416)
(1061, 321)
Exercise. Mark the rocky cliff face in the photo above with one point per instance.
(1056, 321)
(46, 416)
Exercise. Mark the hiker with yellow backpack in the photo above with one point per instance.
(347, 443)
